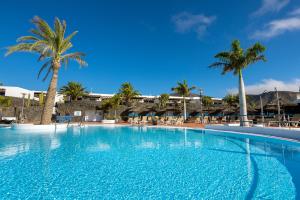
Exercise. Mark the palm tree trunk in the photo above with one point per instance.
(50, 98)
(184, 109)
(242, 101)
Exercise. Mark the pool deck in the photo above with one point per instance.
(291, 134)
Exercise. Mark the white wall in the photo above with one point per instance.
(59, 98)
(11, 91)
(18, 92)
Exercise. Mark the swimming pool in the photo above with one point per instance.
(148, 163)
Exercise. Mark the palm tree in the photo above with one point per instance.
(183, 90)
(128, 92)
(112, 103)
(231, 100)
(52, 46)
(73, 90)
(236, 60)
(163, 100)
(207, 101)
(115, 102)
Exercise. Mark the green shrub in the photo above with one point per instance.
(5, 101)
(109, 117)
(41, 99)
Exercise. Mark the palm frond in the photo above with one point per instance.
(45, 65)
(49, 43)
(21, 47)
(28, 38)
(47, 74)
(237, 59)
(43, 27)
(66, 44)
(217, 64)
(46, 53)
(77, 56)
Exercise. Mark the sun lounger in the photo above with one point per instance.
(8, 118)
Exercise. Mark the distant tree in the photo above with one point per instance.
(112, 103)
(127, 93)
(235, 60)
(41, 99)
(252, 105)
(184, 91)
(231, 100)
(163, 100)
(52, 46)
(105, 105)
(74, 90)
(207, 101)
(5, 101)
(115, 103)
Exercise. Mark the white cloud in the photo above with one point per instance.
(269, 85)
(295, 12)
(270, 6)
(277, 27)
(186, 22)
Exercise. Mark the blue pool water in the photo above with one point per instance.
(146, 163)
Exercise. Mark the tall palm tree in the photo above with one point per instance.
(128, 92)
(73, 90)
(52, 46)
(236, 60)
(183, 90)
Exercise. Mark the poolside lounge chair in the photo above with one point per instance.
(179, 122)
(161, 121)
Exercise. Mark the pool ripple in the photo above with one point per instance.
(148, 163)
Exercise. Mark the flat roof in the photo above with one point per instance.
(93, 94)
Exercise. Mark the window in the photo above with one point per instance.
(2, 92)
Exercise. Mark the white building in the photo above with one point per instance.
(59, 98)
(18, 92)
(141, 98)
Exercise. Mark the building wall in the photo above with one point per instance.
(17, 92)
(11, 91)
(31, 114)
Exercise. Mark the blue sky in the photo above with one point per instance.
(153, 43)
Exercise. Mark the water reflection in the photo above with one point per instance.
(13, 150)
(92, 139)
(248, 152)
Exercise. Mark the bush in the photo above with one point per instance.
(109, 117)
(5, 101)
